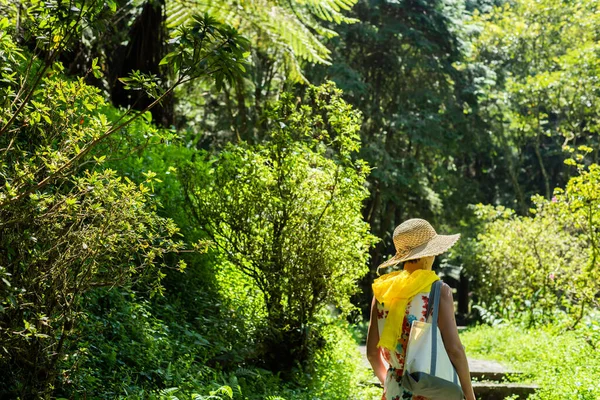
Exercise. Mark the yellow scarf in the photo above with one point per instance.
(395, 290)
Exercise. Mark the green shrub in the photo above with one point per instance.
(522, 264)
(131, 347)
(65, 231)
(125, 350)
(287, 213)
(339, 369)
(536, 268)
(68, 223)
(334, 372)
(242, 309)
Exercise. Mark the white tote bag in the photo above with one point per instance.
(428, 371)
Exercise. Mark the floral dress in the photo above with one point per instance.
(416, 310)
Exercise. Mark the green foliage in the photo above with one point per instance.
(287, 213)
(524, 264)
(202, 49)
(458, 109)
(130, 347)
(205, 47)
(51, 29)
(243, 309)
(289, 32)
(334, 372)
(532, 267)
(233, 318)
(539, 65)
(403, 66)
(63, 230)
(124, 348)
(66, 229)
(340, 372)
(63, 234)
(285, 38)
(563, 364)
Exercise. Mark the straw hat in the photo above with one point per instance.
(416, 238)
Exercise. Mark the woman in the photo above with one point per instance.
(400, 298)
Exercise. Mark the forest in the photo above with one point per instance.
(195, 195)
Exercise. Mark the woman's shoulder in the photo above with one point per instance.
(446, 293)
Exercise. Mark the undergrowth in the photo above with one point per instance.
(564, 363)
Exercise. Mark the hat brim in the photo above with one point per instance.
(435, 246)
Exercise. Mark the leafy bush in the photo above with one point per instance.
(64, 232)
(335, 371)
(339, 369)
(537, 267)
(121, 347)
(69, 223)
(287, 213)
(201, 337)
(243, 310)
(523, 265)
(130, 347)
(536, 60)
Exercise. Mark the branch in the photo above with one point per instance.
(85, 151)
(47, 65)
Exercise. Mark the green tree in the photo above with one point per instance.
(287, 32)
(542, 65)
(68, 224)
(286, 212)
(403, 65)
(285, 38)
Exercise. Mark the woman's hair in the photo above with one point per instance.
(414, 261)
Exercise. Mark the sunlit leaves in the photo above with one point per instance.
(206, 48)
(289, 31)
(544, 56)
(149, 83)
(288, 212)
(535, 268)
(63, 229)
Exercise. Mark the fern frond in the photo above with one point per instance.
(291, 29)
(330, 10)
(177, 14)
(287, 27)
(292, 66)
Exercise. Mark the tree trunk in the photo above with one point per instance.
(512, 170)
(538, 154)
(143, 52)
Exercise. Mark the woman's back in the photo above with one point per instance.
(416, 310)
(417, 243)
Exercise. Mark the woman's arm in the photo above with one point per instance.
(454, 347)
(373, 352)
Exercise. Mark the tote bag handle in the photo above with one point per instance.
(433, 304)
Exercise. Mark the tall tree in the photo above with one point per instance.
(403, 66)
(287, 214)
(540, 98)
